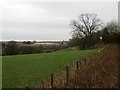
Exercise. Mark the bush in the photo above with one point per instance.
(11, 48)
(14, 48)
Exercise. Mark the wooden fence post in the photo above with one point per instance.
(26, 87)
(42, 85)
(51, 80)
(77, 65)
(67, 74)
(85, 61)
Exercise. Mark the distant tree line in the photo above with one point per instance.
(88, 29)
(88, 32)
(27, 47)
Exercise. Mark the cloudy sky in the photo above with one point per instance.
(33, 20)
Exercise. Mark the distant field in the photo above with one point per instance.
(20, 70)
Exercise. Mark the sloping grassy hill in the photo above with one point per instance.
(20, 70)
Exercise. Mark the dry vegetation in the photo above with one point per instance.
(98, 71)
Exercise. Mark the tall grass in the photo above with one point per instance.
(98, 71)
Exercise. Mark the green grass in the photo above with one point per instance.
(20, 70)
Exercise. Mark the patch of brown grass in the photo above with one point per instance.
(97, 71)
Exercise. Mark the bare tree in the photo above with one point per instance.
(85, 25)
(113, 27)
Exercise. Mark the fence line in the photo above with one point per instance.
(78, 64)
(67, 76)
(51, 80)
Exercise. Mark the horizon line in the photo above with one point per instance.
(33, 40)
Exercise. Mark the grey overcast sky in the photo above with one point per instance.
(49, 20)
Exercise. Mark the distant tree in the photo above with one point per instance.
(85, 25)
(3, 49)
(34, 41)
(74, 42)
(84, 30)
(111, 32)
(113, 27)
(27, 42)
(11, 48)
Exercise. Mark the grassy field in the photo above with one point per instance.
(30, 69)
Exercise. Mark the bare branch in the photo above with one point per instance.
(87, 23)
